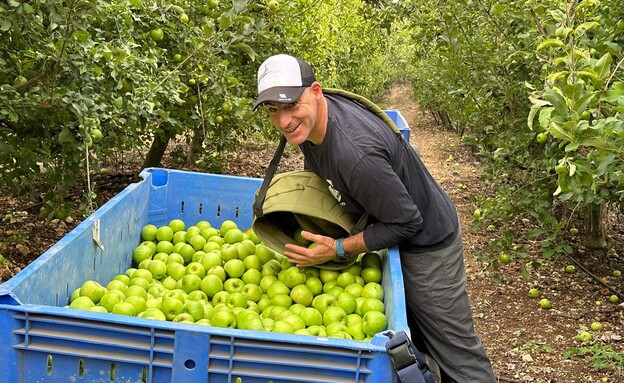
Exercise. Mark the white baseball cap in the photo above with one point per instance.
(283, 78)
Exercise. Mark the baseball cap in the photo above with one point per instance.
(283, 78)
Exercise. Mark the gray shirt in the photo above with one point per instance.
(371, 169)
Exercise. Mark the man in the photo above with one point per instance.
(372, 170)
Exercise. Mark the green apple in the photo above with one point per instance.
(220, 297)
(211, 284)
(283, 327)
(372, 304)
(197, 241)
(296, 308)
(183, 318)
(299, 238)
(317, 330)
(81, 303)
(129, 271)
(264, 253)
(148, 232)
(197, 295)
(138, 302)
(110, 298)
(144, 263)
(249, 320)
(234, 268)
(295, 321)
(373, 290)
(208, 232)
(268, 270)
(224, 319)
(157, 268)
(175, 258)
(334, 314)
(164, 233)
(315, 284)
(124, 308)
(92, 290)
(123, 278)
(303, 331)
(346, 301)
(179, 237)
(141, 253)
(237, 299)
(329, 285)
(335, 327)
(354, 269)
(135, 290)
(354, 289)
(342, 335)
(194, 308)
(252, 276)
(198, 255)
(335, 290)
(164, 247)
(268, 323)
(229, 252)
(345, 279)
(178, 294)
(302, 294)
(371, 274)
(219, 271)
(161, 257)
(190, 282)
(232, 236)
(263, 302)
(374, 322)
(210, 259)
(252, 261)
(243, 251)
(176, 270)
(169, 283)
(195, 268)
(217, 239)
(278, 287)
(233, 285)
(187, 251)
(138, 281)
(212, 246)
(293, 276)
(281, 299)
(266, 282)
(252, 291)
(323, 302)
(328, 275)
(153, 303)
(311, 316)
(359, 280)
(171, 307)
(153, 313)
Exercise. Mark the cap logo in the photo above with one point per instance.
(266, 71)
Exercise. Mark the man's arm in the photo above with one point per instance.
(325, 249)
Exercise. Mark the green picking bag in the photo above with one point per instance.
(301, 199)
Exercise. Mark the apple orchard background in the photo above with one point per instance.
(90, 93)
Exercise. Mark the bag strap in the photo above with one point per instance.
(408, 362)
(259, 201)
(368, 104)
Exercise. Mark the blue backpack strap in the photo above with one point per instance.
(408, 362)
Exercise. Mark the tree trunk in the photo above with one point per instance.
(595, 239)
(157, 150)
(196, 146)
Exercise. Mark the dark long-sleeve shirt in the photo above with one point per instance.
(371, 169)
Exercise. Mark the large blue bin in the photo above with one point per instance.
(41, 341)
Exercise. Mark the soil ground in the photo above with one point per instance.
(524, 342)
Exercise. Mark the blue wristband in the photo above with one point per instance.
(339, 248)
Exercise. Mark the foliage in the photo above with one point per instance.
(491, 67)
(601, 356)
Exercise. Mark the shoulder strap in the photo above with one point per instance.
(259, 201)
(368, 104)
(409, 364)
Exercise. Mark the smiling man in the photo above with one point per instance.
(371, 170)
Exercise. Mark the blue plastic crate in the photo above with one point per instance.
(43, 342)
(400, 122)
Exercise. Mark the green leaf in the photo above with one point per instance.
(534, 233)
(603, 66)
(584, 27)
(549, 43)
(616, 91)
(5, 25)
(498, 9)
(247, 49)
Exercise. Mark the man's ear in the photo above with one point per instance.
(317, 89)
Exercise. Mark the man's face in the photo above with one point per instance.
(297, 121)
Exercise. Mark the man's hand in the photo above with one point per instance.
(324, 250)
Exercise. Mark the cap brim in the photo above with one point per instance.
(281, 94)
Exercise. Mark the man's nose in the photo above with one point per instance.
(283, 117)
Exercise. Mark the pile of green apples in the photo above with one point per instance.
(228, 278)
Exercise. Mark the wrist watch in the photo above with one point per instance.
(341, 256)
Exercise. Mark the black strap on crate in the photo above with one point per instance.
(408, 362)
